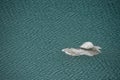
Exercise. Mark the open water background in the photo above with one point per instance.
(33, 33)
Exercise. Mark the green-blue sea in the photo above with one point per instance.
(33, 33)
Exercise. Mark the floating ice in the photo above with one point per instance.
(86, 48)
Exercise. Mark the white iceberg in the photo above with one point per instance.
(86, 48)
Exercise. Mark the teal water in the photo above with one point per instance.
(33, 33)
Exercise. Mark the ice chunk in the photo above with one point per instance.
(86, 48)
